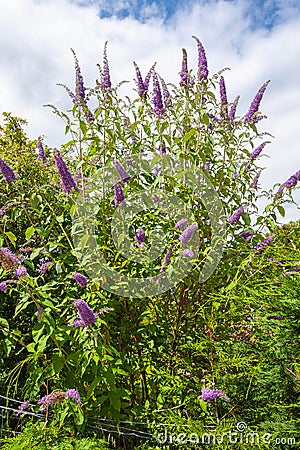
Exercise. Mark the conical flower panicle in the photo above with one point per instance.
(236, 215)
(202, 61)
(41, 152)
(122, 172)
(158, 106)
(232, 111)
(224, 101)
(119, 196)
(86, 314)
(186, 236)
(7, 171)
(250, 116)
(105, 83)
(68, 182)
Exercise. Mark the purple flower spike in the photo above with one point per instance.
(255, 103)
(224, 101)
(68, 182)
(3, 286)
(209, 395)
(143, 86)
(105, 81)
(118, 194)
(292, 181)
(233, 107)
(236, 215)
(54, 397)
(86, 314)
(41, 153)
(188, 252)
(167, 259)
(247, 235)
(261, 247)
(254, 182)
(186, 236)
(80, 279)
(166, 93)
(158, 107)
(123, 174)
(79, 88)
(140, 238)
(74, 394)
(181, 224)
(202, 61)
(21, 272)
(44, 267)
(8, 259)
(258, 150)
(184, 74)
(22, 408)
(274, 318)
(7, 171)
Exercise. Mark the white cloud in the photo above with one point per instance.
(36, 36)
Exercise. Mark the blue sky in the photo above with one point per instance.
(258, 40)
(262, 13)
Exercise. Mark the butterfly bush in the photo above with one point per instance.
(113, 358)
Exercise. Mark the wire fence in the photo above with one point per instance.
(122, 432)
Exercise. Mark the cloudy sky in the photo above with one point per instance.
(257, 39)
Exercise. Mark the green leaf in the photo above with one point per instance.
(189, 135)
(58, 361)
(281, 210)
(11, 237)
(29, 232)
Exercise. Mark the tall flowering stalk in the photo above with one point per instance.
(166, 93)
(143, 86)
(232, 111)
(250, 116)
(224, 101)
(158, 106)
(68, 182)
(7, 171)
(79, 85)
(202, 61)
(184, 74)
(105, 83)
(41, 152)
(208, 395)
(86, 314)
(80, 279)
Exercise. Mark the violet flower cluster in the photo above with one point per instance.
(68, 182)
(119, 196)
(184, 74)
(80, 279)
(7, 171)
(86, 314)
(23, 406)
(188, 253)
(224, 101)
(181, 224)
(5, 207)
(158, 106)
(209, 395)
(250, 116)
(143, 86)
(122, 172)
(41, 152)
(3, 286)
(232, 111)
(167, 259)
(140, 238)
(105, 83)
(21, 272)
(58, 397)
(44, 267)
(186, 236)
(202, 61)
(8, 259)
(236, 215)
(261, 246)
